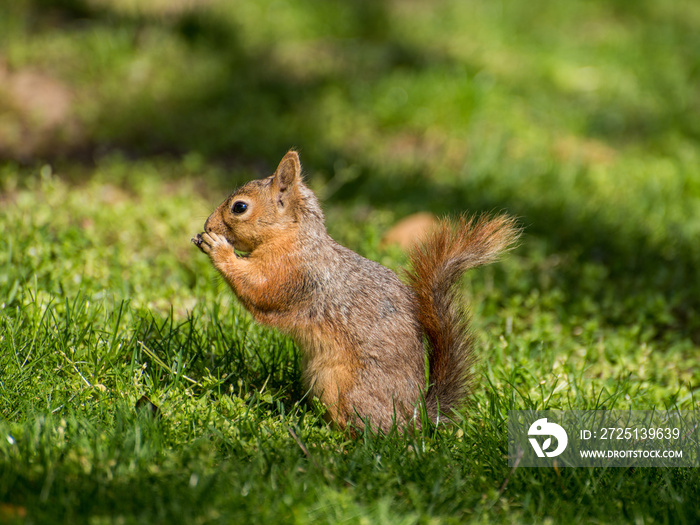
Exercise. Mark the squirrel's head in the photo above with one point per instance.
(266, 209)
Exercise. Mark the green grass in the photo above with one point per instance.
(580, 118)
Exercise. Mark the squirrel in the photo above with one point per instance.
(362, 331)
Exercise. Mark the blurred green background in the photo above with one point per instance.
(579, 117)
(123, 123)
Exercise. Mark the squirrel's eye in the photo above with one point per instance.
(239, 207)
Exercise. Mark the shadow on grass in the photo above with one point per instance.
(252, 104)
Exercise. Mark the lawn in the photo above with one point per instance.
(135, 389)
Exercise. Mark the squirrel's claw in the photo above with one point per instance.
(200, 243)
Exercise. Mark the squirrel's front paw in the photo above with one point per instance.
(197, 241)
(209, 242)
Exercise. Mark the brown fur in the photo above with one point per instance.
(360, 328)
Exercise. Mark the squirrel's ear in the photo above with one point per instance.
(287, 173)
(285, 178)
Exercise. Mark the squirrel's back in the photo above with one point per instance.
(360, 328)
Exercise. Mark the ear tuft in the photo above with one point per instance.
(288, 171)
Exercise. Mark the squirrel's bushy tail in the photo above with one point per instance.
(436, 266)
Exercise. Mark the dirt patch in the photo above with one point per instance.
(409, 231)
(36, 114)
(588, 151)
